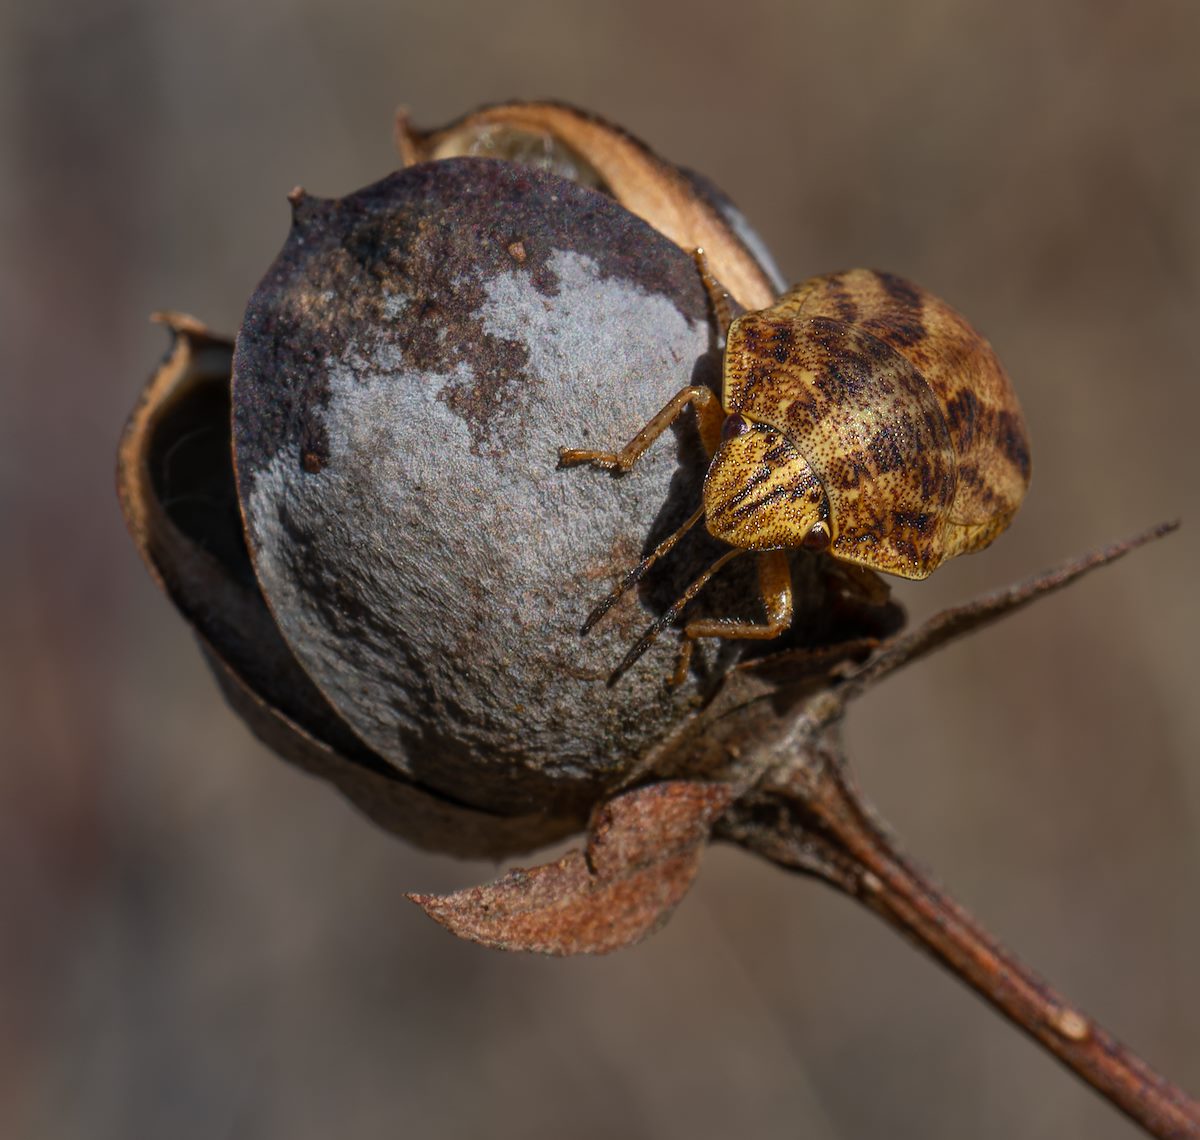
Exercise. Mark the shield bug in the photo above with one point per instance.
(859, 416)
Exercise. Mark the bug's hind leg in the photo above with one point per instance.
(775, 586)
(708, 415)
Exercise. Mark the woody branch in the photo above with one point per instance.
(807, 815)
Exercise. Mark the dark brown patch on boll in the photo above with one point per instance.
(408, 262)
(314, 446)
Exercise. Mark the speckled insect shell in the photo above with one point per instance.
(876, 409)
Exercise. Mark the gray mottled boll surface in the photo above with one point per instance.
(404, 378)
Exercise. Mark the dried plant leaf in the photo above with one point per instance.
(643, 851)
(596, 153)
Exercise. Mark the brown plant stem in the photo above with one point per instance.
(816, 822)
(951, 624)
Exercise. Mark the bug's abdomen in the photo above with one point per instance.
(978, 405)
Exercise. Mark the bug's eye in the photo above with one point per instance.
(818, 537)
(734, 425)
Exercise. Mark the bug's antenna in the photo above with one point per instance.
(639, 571)
(648, 638)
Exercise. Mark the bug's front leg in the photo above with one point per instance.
(775, 587)
(708, 414)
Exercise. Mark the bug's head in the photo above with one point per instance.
(761, 493)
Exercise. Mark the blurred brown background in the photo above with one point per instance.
(196, 941)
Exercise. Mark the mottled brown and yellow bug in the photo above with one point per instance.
(859, 415)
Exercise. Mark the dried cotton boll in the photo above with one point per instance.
(404, 377)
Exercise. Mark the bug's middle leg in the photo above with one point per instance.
(708, 415)
(775, 587)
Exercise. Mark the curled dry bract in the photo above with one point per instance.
(680, 204)
(175, 481)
